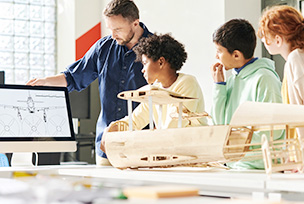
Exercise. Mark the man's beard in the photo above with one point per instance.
(129, 38)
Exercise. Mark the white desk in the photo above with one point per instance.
(217, 183)
(286, 182)
(45, 175)
(221, 183)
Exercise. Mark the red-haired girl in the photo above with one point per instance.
(282, 32)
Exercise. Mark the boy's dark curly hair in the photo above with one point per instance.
(157, 46)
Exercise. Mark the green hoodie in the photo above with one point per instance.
(258, 82)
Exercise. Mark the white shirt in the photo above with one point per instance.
(294, 72)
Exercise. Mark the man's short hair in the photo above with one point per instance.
(126, 8)
(236, 34)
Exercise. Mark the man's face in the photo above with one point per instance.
(225, 57)
(121, 28)
(151, 69)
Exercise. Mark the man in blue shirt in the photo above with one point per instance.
(112, 61)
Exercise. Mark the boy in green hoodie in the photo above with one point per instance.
(252, 79)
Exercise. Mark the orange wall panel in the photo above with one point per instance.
(84, 42)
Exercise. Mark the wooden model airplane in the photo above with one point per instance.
(205, 144)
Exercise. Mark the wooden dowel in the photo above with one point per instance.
(160, 115)
(150, 112)
(130, 114)
(180, 112)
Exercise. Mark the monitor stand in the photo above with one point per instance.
(22, 159)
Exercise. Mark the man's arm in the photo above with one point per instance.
(57, 80)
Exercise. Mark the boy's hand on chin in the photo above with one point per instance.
(217, 72)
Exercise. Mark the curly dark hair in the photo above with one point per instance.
(157, 46)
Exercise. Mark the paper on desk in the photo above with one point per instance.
(12, 200)
(11, 186)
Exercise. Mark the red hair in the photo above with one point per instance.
(284, 21)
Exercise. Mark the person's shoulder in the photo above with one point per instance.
(188, 85)
(187, 78)
(188, 81)
(146, 32)
(262, 69)
(264, 62)
(267, 74)
(296, 54)
(264, 66)
(106, 43)
(295, 62)
(105, 40)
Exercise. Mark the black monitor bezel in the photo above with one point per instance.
(49, 88)
(2, 77)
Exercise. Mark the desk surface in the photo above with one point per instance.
(222, 183)
(230, 183)
(233, 180)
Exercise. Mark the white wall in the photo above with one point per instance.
(65, 33)
(75, 17)
(87, 15)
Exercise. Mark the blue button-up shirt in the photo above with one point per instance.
(116, 70)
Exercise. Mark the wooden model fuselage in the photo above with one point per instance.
(174, 146)
(196, 145)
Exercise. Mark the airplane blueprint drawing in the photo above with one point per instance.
(33, 113)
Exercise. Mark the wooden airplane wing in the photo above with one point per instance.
(265, 114)
(160, 95)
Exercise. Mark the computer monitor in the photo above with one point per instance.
(35, 119)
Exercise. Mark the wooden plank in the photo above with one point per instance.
(160, 191)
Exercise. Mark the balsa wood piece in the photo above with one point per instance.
(266, 114)
(160, 95)
(190, 115)
(163, 191)
(282, 155)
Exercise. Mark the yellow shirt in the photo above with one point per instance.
(186, 85)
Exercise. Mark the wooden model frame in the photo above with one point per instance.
(201, 145)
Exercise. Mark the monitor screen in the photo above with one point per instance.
(35, 119)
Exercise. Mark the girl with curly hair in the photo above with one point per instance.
(282, 32)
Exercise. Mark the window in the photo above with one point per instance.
(27, 39)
